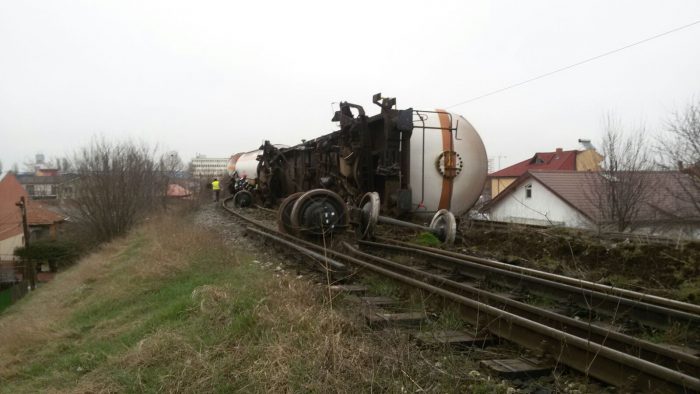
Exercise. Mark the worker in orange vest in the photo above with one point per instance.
(216, 188)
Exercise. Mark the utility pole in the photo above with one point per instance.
(29, 271)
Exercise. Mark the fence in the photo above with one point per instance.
(13, 294)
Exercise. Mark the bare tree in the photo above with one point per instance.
(679, 149)
(29, 165)
(172, 164)
(119, 184)
(66, 165)
(625, 181)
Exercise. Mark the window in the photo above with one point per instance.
(528, 191)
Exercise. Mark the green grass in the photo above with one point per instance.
(427, 239)
(381, 286)
(113, 315)
(172, 308)
(689, 290)
(450, 319)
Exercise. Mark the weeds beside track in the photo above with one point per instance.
(578, 352)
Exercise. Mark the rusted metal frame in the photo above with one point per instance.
(647, 298)
(658, 354)
(366, 166)
(613, 305)
(593, 359)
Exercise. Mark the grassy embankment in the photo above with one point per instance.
(172, 308)
(665, 270)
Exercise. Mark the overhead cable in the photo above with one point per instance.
(590, 59)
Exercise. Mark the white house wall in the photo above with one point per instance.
(8, 245)
(543, 208)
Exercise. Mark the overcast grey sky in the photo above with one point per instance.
(218, 77)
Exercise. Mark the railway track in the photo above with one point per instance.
(579, 283)
(607, 235)
(605, 300)
(607, 355)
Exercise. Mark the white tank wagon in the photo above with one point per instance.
(448, 163)
(245, 164)
(415, 162)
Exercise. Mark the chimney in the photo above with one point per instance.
(586, 143)
(559, 150)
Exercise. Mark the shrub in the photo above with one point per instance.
(56, 253)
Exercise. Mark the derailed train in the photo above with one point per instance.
(418, 162)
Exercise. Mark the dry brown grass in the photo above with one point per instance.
(214, 321)
(40, 318)
(34, 320)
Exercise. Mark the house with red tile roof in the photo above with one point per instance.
(559, 160)
(572, 199)
(42, 221)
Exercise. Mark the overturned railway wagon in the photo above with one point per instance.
(402, 162)
(418, 161)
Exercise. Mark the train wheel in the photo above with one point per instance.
(319, 211)
(445, 225)
(243, 199)
(369, 207)
(284, 219)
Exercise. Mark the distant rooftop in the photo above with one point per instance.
(579, 189)
(557, 160)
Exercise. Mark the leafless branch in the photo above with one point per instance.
(679, 149)
(119, 183)
(625, 180)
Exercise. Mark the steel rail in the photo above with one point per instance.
(266, 209)
(648, 298)
(337, 269)
(650, 314)
(602, 362)
(593, 359)
(673, 359)
(329, 262)
(665, 356)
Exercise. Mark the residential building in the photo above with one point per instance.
(47, 184)
(42, 221)
(208, 166)
(573, 199)
(559, 160)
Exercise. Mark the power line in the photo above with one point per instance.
(575, 64)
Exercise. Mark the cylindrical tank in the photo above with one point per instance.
(231, 165)
(246, 163)
(448, 163)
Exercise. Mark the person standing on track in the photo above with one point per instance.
(216, 188)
